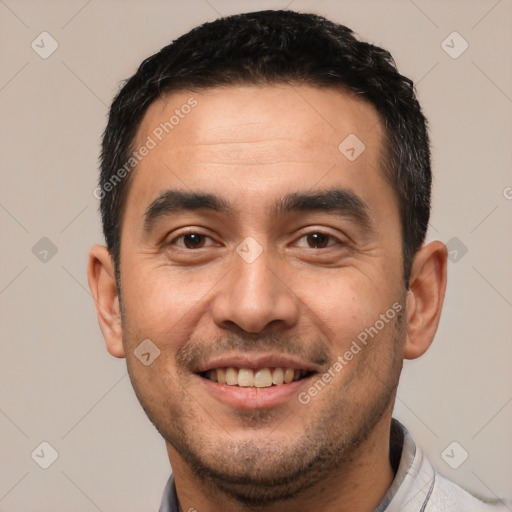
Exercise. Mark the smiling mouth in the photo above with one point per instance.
(255, 378)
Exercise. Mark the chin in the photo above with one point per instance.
(258, 473)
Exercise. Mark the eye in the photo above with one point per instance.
(318, 240)
(192, 240)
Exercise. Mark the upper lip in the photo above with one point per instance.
(256, 361)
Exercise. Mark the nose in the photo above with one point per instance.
(253, 295)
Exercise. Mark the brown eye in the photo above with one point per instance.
(318, 240)
(192, 240)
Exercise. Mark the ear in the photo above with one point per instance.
(427, 286)
(102, 282)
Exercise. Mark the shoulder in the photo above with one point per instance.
(448, 496)
(419, 487)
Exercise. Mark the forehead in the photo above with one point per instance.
(266, 139)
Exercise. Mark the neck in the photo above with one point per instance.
(359, 485)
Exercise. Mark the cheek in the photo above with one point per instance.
(345, 302)
(157, 301)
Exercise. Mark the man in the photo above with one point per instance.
(265, 195)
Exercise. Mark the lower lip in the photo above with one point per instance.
(252, 397)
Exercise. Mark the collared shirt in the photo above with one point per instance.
(417, 486)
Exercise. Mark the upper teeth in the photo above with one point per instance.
(260, 378)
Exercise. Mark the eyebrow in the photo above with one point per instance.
(342, 202)
(173, 201)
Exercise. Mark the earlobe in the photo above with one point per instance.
(427, 286)
(102, 282)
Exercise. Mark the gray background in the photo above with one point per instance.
(57, 382)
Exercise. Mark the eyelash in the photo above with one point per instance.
(188, 233)
(313, 232)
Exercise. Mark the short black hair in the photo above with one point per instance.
(276, 47)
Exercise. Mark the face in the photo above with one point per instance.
(265, 264)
